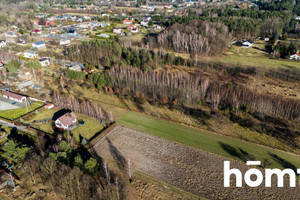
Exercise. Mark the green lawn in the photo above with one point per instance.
(89, 129)
(217, 144)
(15, 113)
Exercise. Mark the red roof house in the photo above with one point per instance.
(14, 96)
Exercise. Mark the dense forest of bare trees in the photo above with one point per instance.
(174, 87)
(65, 181)
(196, 37)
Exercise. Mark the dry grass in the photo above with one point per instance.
(253, 57)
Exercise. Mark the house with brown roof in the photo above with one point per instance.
(66, 121)
(126, 21)
(14, 96)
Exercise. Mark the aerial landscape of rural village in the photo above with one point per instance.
(148, 99)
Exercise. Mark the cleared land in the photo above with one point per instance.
(214, 143)
(148, 188)
(193, 170)
(253, 56)
(15, 113)
(6, 104)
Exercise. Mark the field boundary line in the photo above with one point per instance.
(100, 135)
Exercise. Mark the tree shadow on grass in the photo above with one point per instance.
(284, 163)
(237, 152)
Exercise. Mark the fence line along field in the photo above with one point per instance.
(192, 170)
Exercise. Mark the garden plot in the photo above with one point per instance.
(195, 171)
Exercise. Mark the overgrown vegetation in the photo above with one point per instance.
(195, 37)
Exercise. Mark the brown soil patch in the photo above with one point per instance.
(193, 170)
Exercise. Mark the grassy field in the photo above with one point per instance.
(121, 106)
(15, 113)
(217, 144)
(133, 38)
(253, 56)
(89, 129)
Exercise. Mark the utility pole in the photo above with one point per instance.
(27, 103)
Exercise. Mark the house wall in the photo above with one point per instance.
(60, 125)
(11, 98)
(39, 46)
(28, 55)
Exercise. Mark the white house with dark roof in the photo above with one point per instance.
(66, 121)
(39, 45)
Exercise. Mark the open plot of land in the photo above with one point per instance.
(254, 56)
(217, 144)
(15, 113)
(6, 104)
(120, 106)
(193, 170)
(148, 188)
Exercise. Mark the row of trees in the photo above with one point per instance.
(171, 87)
(244, 27)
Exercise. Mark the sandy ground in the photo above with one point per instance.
(193, 170)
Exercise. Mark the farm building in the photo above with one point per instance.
(14, 96)
(49, 106)
(66, 121)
